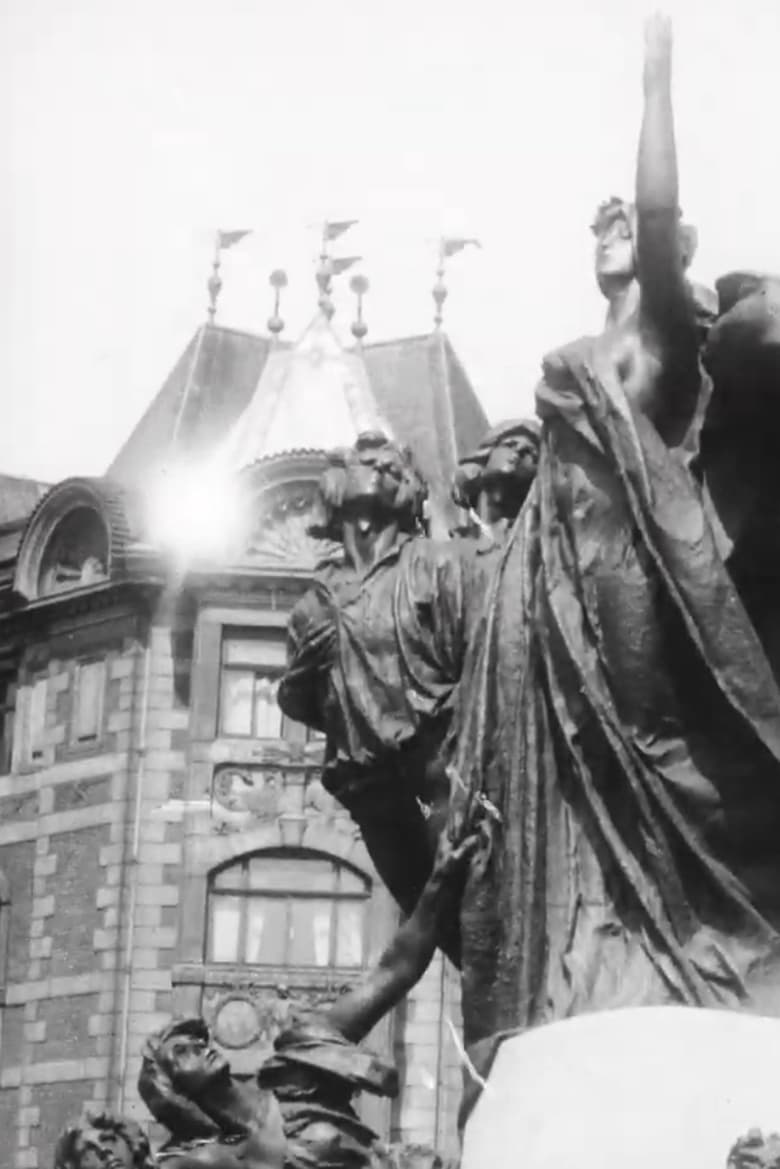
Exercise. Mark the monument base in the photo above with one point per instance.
(643, 1087)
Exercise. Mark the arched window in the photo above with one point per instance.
(76, 554)
(288, 908)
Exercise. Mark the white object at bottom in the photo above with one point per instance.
(628, 1089)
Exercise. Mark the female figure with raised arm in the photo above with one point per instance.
(617, 708)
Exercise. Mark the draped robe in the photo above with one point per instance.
(618, 710)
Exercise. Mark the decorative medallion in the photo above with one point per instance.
(253, 1018)
(236, 1023)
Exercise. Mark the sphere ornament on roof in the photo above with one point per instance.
(278, 281)
(359, 285)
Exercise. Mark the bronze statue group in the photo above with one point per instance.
(559, 730)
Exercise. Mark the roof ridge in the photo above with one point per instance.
(24, 479)
(318, 370)
(236, 332)
(395, 341)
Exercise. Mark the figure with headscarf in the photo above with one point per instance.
(755, 1151)
(620, 711)
(492, 482)
(375, 653)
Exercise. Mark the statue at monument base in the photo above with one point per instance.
(102, 1141)
(299, 1111)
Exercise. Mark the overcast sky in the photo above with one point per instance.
(130, 131)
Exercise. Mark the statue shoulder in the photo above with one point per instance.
(209, 1153)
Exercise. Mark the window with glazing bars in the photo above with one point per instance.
(288, 909)
(252, 666)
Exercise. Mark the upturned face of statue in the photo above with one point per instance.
(194, 1065)
(615, 250)
(100, 1148)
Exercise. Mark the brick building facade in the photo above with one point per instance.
(166, 846)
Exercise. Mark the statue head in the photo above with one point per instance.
(755, 1151)
(495, 479)
(368, 494)
(102, 1141)
(615, 229)
(179, 1069)
(742, 353)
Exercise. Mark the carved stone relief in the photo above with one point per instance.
(292, 792)
(245, 1020)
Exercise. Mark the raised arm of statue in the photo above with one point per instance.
(664, 246)
(407, 957)
(660, 262)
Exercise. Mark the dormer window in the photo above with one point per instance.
(76, 554)
(74, 539)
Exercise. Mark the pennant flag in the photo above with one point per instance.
(339, 264)
(452, 244)
(334, 230)
(226, 239)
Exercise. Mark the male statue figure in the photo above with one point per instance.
(376, 651)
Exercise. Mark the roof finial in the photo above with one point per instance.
(324, 278)
(448, 246)
(359, 285)
(225, 239)
(278, 281)
(440, 293)
(328, 267)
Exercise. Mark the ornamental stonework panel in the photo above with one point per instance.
(288, 791)
(245, 1020)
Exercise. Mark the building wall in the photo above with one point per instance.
(106, 848)
(64, 811)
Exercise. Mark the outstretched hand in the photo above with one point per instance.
(451, 853)
(466, 831)
(658, 50)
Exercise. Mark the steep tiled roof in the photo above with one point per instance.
(429, 402)
(314, 396)
(418, 386)
(18, 497)
(204, 393)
